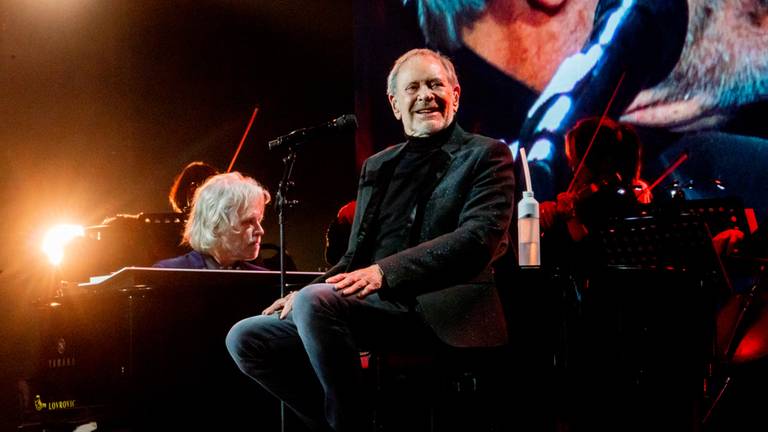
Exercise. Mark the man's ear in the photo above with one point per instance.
(393, 104)
(456, 94)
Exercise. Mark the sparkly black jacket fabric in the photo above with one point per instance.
(456, 230)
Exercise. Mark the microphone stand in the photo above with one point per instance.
(284, 203)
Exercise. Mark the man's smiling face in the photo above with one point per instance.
(424, 99)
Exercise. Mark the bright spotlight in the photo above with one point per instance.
(57, 238)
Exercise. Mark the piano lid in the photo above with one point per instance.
(151, 277)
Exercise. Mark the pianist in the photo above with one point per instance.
(224, 226)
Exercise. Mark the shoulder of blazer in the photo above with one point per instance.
(462, 140)
(190, 260)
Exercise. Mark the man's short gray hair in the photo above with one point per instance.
(445, 61)
(218, 206)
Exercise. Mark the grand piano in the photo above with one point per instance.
(143, 349)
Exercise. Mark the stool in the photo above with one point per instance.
(445, 390)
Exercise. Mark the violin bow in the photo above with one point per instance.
(242, 140)
(680, 159)
(594, 135)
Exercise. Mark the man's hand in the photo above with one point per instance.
(551, 212)
(364, 281)
(547, 214)
(566, 205)
(282, 304)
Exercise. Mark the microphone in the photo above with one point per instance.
(300, 136)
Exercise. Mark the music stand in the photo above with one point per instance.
(665, 240)
(676, 313)
(719, 214)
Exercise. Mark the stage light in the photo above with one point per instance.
(57, 238)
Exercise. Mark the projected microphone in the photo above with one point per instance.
(300, 136)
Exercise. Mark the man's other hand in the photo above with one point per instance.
(282, 304)
(362, 282)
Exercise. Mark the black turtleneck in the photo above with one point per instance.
(402, 194)
(432, 141)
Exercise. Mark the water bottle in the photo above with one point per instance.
(528, 239)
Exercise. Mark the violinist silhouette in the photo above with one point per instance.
(605, 158)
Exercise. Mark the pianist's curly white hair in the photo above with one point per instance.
(218, 206)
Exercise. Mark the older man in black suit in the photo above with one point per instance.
(433, 214)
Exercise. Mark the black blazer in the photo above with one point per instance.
(195, 260)
(458, 228)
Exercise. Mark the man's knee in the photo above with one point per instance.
(249, 338)
(235, 340)
(313, 298)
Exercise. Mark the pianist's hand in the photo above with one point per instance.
(282, 304)
(362, 282)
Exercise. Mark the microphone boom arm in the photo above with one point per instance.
(303, 135)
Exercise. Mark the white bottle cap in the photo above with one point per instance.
(528, 206)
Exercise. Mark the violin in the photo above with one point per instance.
(605, 159)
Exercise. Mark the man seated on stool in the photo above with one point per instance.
(224, 227)
(432, 216)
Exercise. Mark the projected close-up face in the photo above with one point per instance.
(724, 63)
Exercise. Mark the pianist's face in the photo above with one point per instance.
(242, 242)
